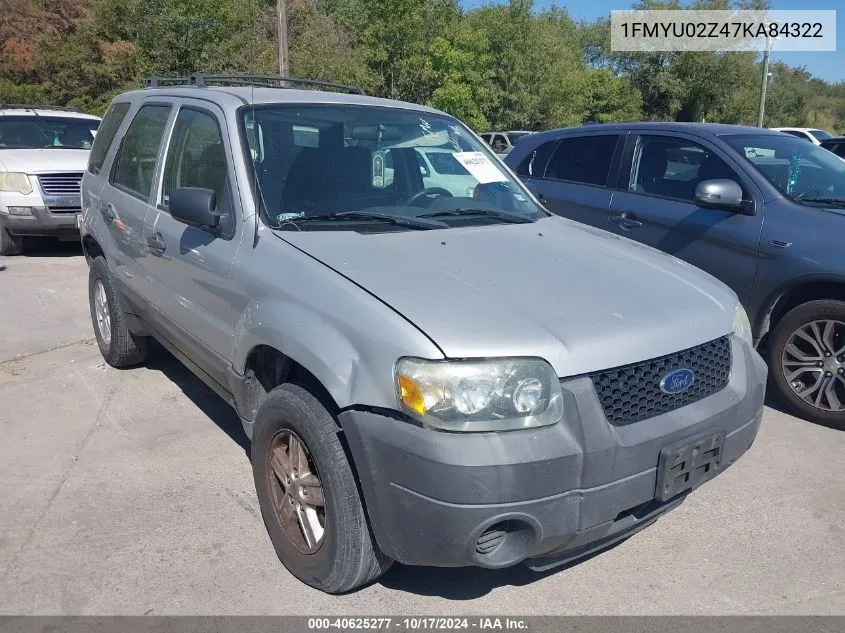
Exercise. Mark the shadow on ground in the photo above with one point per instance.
(469, 583)
(47, 247)
(212, 405)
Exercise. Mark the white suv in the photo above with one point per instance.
(43, 152)
(814, 135)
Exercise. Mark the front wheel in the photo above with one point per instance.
(10, 244)
(308, 496)
(807, 361)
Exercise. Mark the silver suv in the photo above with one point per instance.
(428, 377)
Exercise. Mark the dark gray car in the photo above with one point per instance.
(761, 210)
(425, 377)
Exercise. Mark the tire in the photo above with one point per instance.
(10, 244)
(826, 366)
(119, 347)
(346, 556)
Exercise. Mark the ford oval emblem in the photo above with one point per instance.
(677, 381)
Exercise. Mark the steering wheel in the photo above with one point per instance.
(431, 191)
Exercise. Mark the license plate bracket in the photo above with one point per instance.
(689, 463)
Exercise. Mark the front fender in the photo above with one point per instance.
(351, 352)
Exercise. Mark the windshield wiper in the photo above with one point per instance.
(835, 201)
(411, 222)
(504, 216)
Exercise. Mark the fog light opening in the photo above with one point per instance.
(505, 543)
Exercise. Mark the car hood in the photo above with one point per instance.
(34, 161)
(579, 297)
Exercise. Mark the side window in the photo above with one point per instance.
(136, 163)
(197, 157)
(534, 165)
(673, 167)
(583, 159)
(499, 143)
(105, 135)
(485, 138)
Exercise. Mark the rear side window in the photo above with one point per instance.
(136, 163)
(105, 135)
(583, 159)
(534, 165)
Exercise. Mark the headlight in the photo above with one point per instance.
(479, 395)
(742, 326)
(15, 181)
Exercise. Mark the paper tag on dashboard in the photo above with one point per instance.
(481, 167)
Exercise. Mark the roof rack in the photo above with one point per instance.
(201, 80)
(32, 106)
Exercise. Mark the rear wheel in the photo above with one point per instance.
(119, 347)
(807, 361)
(10, 244)
(308, 496)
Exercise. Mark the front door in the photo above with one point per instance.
(191, 267)
(655, 206)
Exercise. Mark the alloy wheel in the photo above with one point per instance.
(813, 363)
(299, 503)
(101, 312)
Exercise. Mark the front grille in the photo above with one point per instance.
(61, 184)
(632, 393)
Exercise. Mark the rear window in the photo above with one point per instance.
(105, 135)
(583, 159)
(135, 166)
(534, 165)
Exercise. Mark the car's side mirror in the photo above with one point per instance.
(720, 194)
(194, 206)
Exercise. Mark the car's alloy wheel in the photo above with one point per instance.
(101, 312)
(299, 504)
(806, 354)
(813, 364)
(309, 499)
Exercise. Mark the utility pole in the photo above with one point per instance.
(284, 60)
(764, 83)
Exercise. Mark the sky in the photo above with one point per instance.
(826, 65)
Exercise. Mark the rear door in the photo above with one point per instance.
(572, 175)
(126, 199)
(655, 206)
(191, 267)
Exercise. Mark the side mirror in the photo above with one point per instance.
(720, 194)
(194, 206)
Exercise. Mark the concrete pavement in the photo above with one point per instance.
(130, 492)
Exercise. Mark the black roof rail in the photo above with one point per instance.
(33, 106)
(201, 80)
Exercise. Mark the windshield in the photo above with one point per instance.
(821, 134)
(800, 170)
(347, 167)
(36, 132)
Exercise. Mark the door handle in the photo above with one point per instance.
(627, 220)
(156, 244)
(109, 214)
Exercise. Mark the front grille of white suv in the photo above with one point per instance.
(61, 184)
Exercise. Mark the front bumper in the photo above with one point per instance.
(42, 222)
(549, 495)
(48, 217)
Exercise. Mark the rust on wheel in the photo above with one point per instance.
(296, 491)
